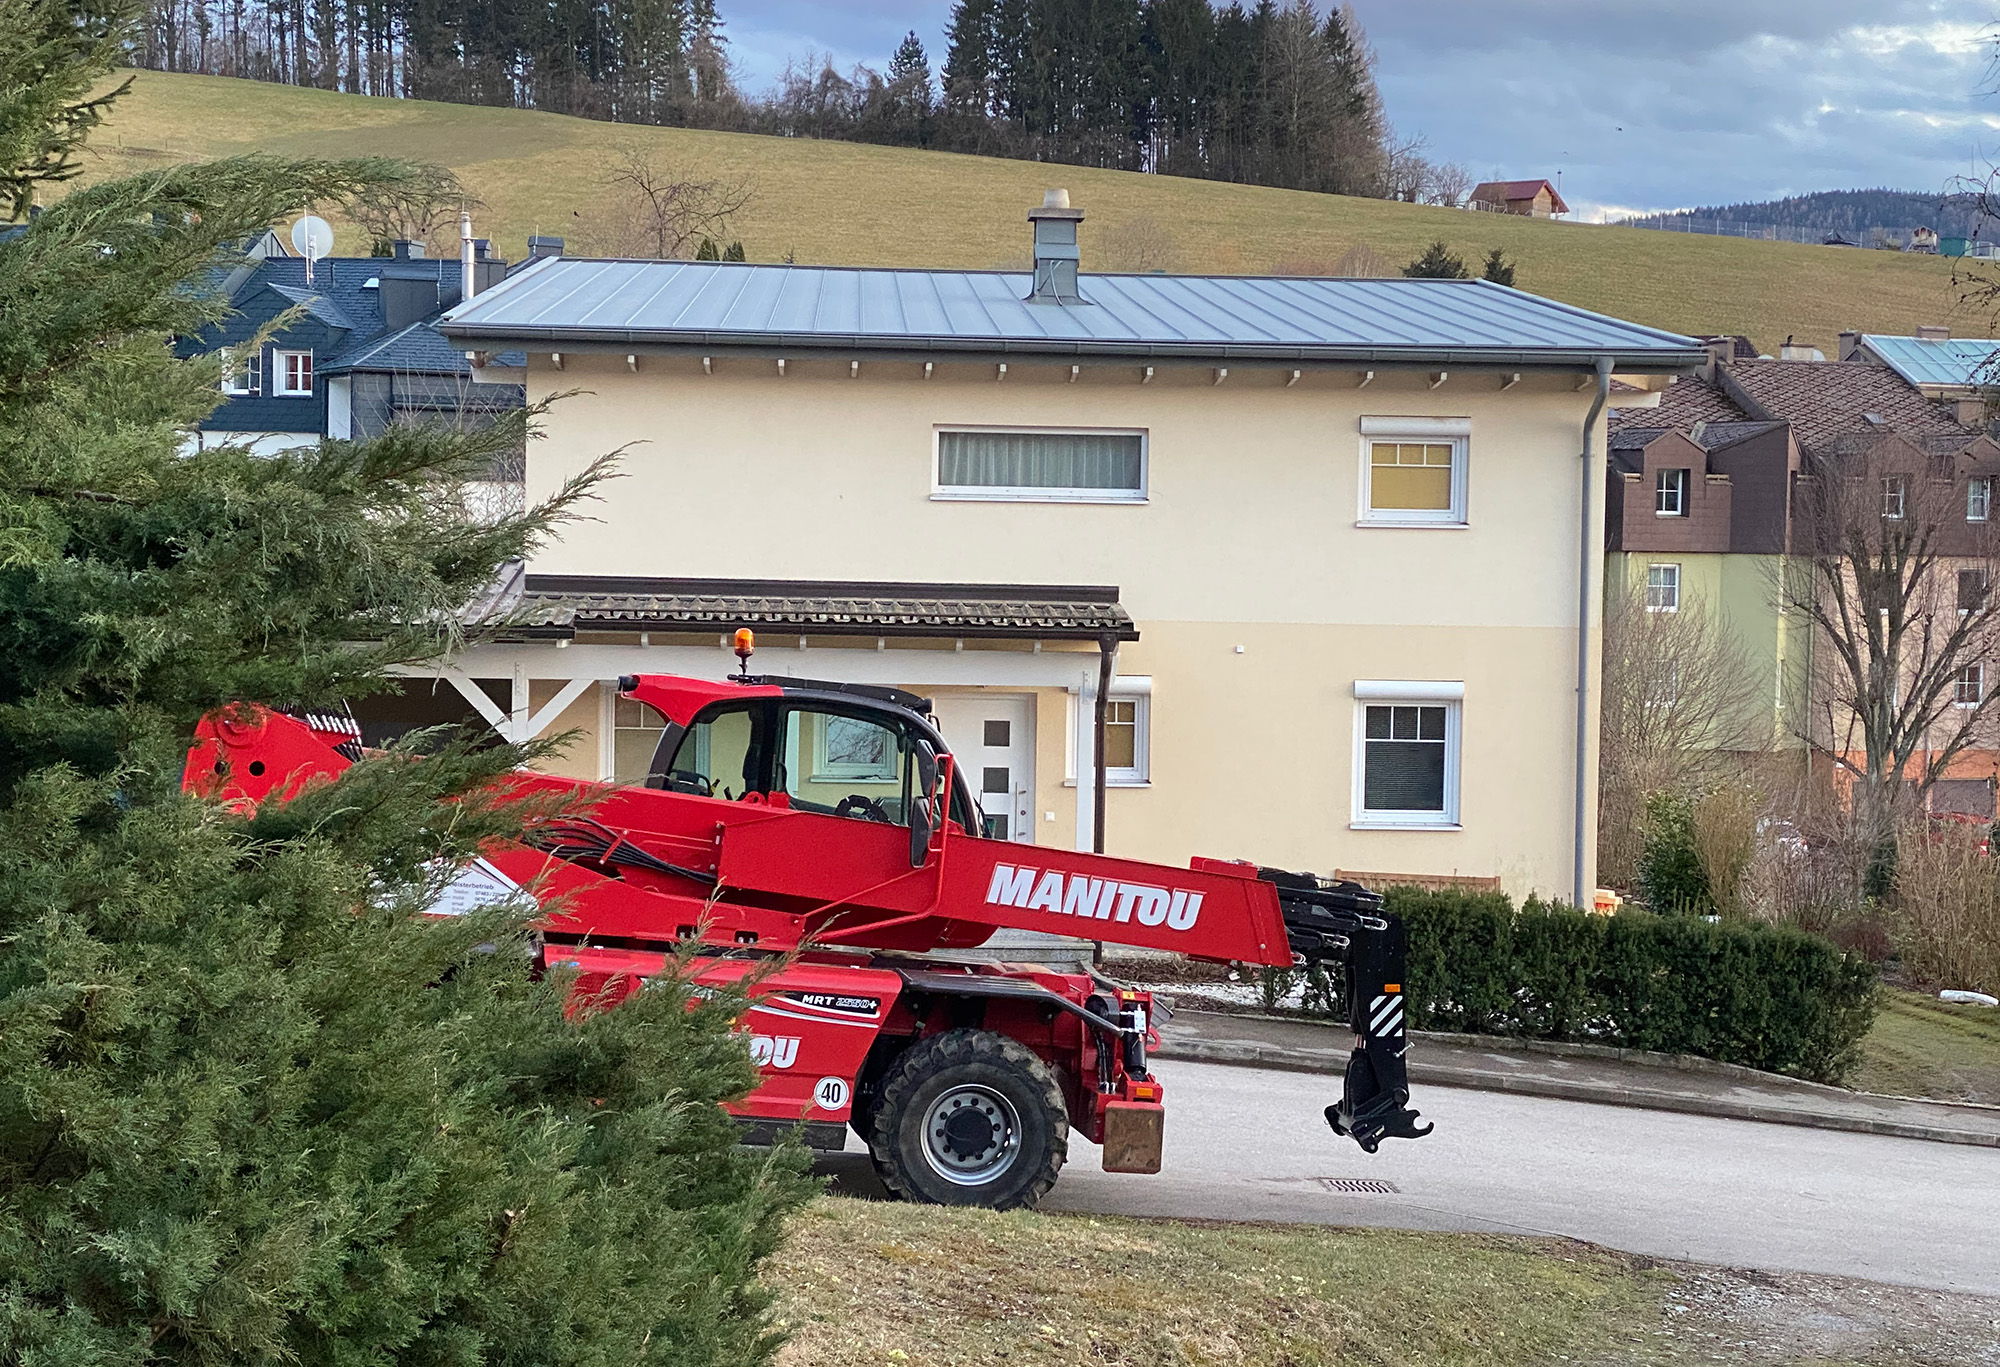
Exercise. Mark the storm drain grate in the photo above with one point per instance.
(1365, 1186)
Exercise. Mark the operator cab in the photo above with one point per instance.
(835, 749)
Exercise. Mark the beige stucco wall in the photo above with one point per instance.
(1247, 538)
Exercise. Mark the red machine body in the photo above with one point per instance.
(736, 841)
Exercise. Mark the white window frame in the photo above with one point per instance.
(1979, 494)
(1456, 431)
(1408, 693)
(1680, 491)
(1674, 606)
(239, 371)
(1978, 682)
(965, 493)
(1897, 486)
(1081, 732)
(281, 383)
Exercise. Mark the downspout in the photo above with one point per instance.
(1107, 661)
(1587, 531)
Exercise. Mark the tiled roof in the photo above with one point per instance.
(1826, 399)
(1709, 436)
(570, 603)
(773, 308)
(1687, 401)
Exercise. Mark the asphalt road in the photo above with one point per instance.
(1249, 1144)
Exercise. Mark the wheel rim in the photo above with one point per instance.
(971, 1135)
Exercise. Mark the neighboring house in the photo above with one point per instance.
(1704, 488)
(363, 351)
(1326, 529)
(1964, 370)
(1529, 198)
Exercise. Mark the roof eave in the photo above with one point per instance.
(1660, 360)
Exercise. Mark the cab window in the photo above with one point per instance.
(724, 753)
(847, 764)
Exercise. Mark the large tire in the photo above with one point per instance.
(969, 1118)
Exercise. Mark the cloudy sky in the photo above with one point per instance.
(1640, 104)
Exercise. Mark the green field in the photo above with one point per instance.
(849, 204)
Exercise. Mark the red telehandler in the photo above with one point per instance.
(825, 826)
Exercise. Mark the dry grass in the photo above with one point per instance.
(927, 1287)
(844, 203)
(1947, 907)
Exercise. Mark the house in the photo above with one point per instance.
(363, 350)
(1320, 536)
(1529, 198)
(1964, 370)
(1703, 500)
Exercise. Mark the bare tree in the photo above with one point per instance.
(419, 203)
(1141, 244)
(1679, 702)
(1450, 183)
(664, 212)
(1902, 547)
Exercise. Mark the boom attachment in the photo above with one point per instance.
(1344, 922)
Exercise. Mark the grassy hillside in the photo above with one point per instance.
(843, 203)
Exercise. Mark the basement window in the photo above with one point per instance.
(1055, 465)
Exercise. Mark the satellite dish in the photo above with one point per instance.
(312, 236)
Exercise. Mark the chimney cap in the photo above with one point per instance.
(1933, 332)
(1055, 205)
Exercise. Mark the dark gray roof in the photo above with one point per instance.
(570, 603)
(713, 305)
(1709, 436)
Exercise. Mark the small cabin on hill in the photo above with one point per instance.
(1529, 198)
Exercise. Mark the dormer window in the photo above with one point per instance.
(1895, 493)
(295, 373)
(1978, 498)
(1670, 493)
(239, 370)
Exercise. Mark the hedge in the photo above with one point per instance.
(1768, 997)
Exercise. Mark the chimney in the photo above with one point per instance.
(402, 249)
(1933, 332)
(467, 284)
(539, 247)
(1969, 410)
(1850, 346)
(1720, 351)
(1056, 254)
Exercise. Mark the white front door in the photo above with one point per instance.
(992, 737)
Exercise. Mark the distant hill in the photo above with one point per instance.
(1851, 213)
(845, 203)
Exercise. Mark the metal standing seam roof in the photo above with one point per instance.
(1956, 361)
(585, 602)
(726, 304)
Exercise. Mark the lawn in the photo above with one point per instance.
(845, 203)
(928, 1287)
(1923, 1047)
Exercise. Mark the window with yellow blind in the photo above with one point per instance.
(1413, 471)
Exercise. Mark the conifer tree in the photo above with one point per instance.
(1498, 268)
(1438, 262)
(254, 1105)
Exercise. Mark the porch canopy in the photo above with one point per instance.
(561, 605)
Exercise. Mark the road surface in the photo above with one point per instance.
(1249, 1144)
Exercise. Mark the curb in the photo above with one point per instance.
(1243, 1053)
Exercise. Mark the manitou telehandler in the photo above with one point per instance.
(821, 832)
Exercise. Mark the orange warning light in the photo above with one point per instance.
(746, 641)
